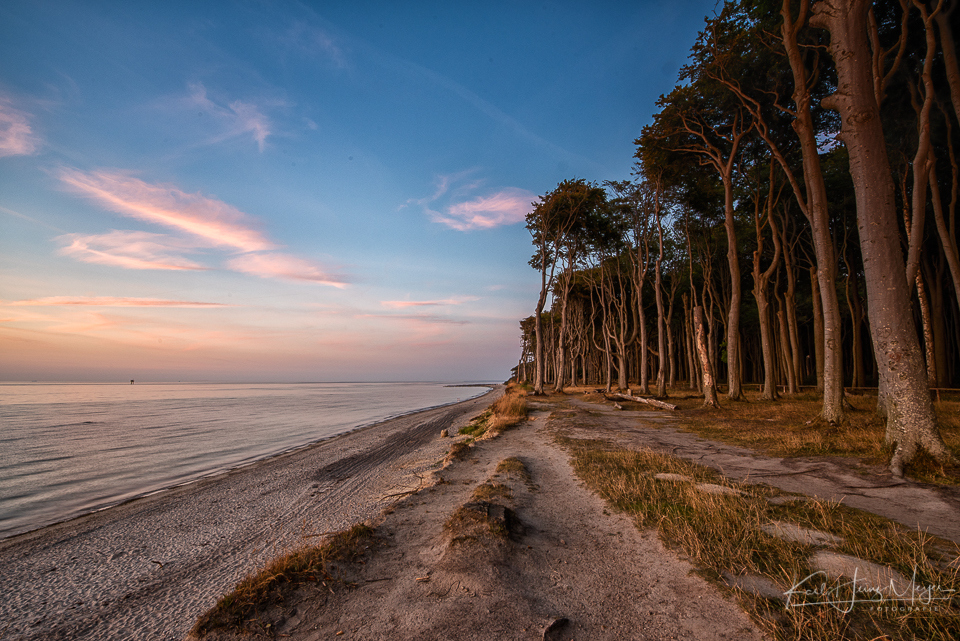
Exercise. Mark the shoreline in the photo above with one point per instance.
(239, 465)
(146, 568)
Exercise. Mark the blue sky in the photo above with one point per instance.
(293, 191)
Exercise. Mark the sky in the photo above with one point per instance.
(274, 191)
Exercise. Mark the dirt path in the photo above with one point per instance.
(149, 568)
(574, 561)
(874, 489)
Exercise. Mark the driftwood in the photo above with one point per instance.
(640, 399)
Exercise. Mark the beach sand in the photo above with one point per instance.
(148, 568)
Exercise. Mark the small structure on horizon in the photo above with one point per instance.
(131, 381)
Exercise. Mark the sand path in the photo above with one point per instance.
(574, 561)
(147, 569)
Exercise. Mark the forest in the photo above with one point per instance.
(790, 223)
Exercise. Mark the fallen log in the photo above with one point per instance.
(640, 399)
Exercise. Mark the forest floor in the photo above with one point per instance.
(592, 522)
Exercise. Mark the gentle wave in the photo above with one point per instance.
(70, 449)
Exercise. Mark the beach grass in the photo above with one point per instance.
(240, 608)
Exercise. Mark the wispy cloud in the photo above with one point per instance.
(205, 223)
(451, 203)
(276, 265)
(402, 304)
(112, 301)
(16, 134)
(129, 249)
(315, 41)
(237, 118)
(216, 222)
(506, 207)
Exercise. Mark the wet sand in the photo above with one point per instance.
(147, 569)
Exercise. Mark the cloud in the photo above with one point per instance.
(16, 135)
(314, 41)
(506, 207)
(207, 223)
(113, 301)
(451, 205)
(214, 221)
(402, 304)
(128, 249)
(238, 118)
(276, 265)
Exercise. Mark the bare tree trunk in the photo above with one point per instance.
(856, 318)
(695, 380)
(927, 320)
(761, 282)
(911, 423)
(790, 303)
(734, 387)
(661, 324)
(818, 342)
(785, 341)
(709, 382)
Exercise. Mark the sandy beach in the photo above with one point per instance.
(147, 569)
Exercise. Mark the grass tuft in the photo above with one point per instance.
(513, 466)
(310, 564)
(491, 492)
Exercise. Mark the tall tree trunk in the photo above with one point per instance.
(926, 319)
(852, 291)
(818, 342)
(793, 385)
(830, 354)
(911, 423)
(661, 324)
(734, 387)
(709, 382)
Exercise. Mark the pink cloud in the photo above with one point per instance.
(216, 222)
(276, 265)
(16, 135)
(507, 207)
(112, 301)
(128, 249)
(401, 304)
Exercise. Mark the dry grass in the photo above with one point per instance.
(507, 411)
(492, 492)
(458, 452)
(513, 466)
(240, 608)
(790, 427)
(723, 533)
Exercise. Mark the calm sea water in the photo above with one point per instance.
(69, 449)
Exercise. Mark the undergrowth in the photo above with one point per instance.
(790, 426)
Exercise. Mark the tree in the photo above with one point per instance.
(699, 119)
(862, 76)
(554, 224)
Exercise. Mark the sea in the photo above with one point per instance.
(67, 449)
